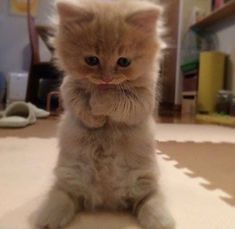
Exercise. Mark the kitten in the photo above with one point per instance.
(109, 51)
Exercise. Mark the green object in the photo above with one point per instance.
(190, 66)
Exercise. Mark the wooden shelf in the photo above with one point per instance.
(216, 119)
(189, 93)
(221, 14)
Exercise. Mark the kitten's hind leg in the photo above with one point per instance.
(57, 211)
(152, 213)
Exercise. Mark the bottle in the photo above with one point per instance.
(223, 102)
(232, 106)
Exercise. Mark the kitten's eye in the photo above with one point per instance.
(92, 60)
(123, 62)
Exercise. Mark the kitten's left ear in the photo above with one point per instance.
(146, 19)
(68, 11)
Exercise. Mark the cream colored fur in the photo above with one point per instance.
(107, 151)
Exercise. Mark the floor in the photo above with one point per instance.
(215, 163)
(197, 178)
(47, 128)
(44, 128)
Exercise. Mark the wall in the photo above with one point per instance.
(225, 32)
(14, 41)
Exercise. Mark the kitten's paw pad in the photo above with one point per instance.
(56, 213)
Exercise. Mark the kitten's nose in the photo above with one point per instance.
(107, 79)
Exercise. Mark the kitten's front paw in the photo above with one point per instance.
(97, 121)
(98, 106)
(56, 212)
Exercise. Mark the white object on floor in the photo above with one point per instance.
(17, 115)
(17, 86)
(26, 175)
(40, 113)
(194, 132)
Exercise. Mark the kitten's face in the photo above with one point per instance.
(104, 47)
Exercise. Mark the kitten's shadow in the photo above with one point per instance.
(22, 218)
(104, 221)
(101, 220)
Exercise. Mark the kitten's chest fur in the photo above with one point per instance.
(107, 164)
(108, 169)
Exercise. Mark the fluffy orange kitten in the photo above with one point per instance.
(109, 52)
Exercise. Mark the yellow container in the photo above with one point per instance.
(211, 80)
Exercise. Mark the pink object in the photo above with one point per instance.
(218, 3)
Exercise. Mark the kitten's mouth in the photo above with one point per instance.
(105, 86)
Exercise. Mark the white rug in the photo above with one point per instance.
(195, 133)
(26, 174)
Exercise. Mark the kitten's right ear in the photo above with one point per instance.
(68, 11)
(145, 19)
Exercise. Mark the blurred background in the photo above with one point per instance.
(197, 79)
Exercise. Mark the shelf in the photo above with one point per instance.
(216, 119)
(226, 11)
(189, 93)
